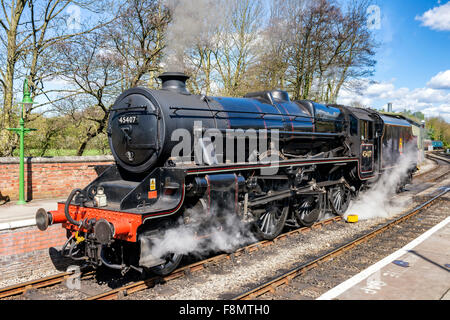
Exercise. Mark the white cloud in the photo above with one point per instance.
(430, 101)
(437, 18)
(57, 83)
(379, 89)
(441, 111)
(440, 81)
(428, 95)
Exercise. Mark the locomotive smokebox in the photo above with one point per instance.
(174, 81)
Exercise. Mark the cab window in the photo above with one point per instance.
(363, 129)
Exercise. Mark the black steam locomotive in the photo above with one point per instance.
(269, 161)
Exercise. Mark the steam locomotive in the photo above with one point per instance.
(315, 161)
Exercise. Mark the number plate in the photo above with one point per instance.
(128, 120)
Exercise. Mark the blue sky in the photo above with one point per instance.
(411, 53)
(413, 60)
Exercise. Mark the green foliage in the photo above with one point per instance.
(416, 116)
(60, 136)
(438, 129)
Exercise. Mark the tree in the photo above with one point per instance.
(219, 49)
(138, 39)
(237, 40)
(438, 129)
(107, 61)
(29, 33)
(12, 40)
(355, 49)
(314, 48)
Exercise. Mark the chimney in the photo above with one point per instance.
(389, 107)
(174, 81)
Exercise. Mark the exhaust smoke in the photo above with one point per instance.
(193, 22)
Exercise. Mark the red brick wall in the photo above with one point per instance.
(29, 239)
(49, 177)
(28, 251)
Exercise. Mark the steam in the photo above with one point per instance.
(193, 22)
(375, 201)
(226, 235)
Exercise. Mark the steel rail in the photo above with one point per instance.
(141, 285)
(439, 177)
(197, 266)
(285, 278)
(433, 156)
(435, 159)
(38, 283)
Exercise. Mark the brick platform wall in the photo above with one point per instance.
(51, 177)
(28, 251)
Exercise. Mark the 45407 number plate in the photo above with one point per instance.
(129, 119)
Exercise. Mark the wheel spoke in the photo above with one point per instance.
(265, 222)
(271, 222)
(339, 203)
(339, 199)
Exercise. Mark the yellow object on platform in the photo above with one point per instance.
(352, 218)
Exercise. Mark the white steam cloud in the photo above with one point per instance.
(375, 202)
(193, 22)
(226, 236)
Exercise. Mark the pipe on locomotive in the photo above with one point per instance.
(45, 219)
(104, 230)
(66, 208)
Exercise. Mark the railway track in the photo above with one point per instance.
(272, 285)
(194, 267)
(117, 293)
(52, 280)
(437, 173)
(438, 156)
(197, 266)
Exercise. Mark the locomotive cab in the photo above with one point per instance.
(364, 135)
(397, 139)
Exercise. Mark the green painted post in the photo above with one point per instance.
(21, 132)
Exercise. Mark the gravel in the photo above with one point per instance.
(35, 275)
(226, 279)
(232, 277)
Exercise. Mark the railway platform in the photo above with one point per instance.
(418, 271)
(14, 216)
(25, 252)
